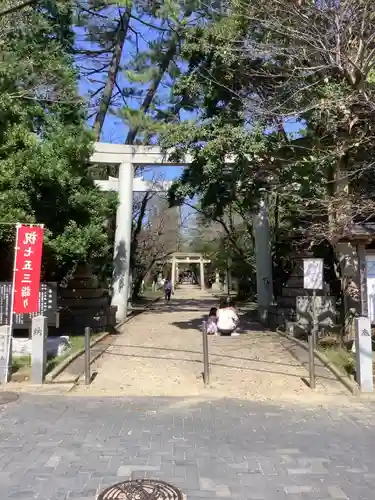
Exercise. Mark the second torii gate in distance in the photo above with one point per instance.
(188, 258)
(129, 156)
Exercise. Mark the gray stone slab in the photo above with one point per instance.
(73, 447)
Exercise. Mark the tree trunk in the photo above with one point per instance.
(346, 252)
(138, 228)
(137, 286)
(114, 66)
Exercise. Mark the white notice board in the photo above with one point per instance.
(313, 274)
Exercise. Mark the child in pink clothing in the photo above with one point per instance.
(212, 322)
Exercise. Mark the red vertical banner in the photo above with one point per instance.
(28, 263)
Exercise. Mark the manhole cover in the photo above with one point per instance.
(142, 489)
(8, 397)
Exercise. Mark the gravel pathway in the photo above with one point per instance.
(159, 353)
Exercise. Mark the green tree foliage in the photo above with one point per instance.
(44, 142)
(131, 54)
(253, 72)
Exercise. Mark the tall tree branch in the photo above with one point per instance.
(114, 66)
(147, 101)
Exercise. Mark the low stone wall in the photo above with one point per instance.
(85, 303)
(56, 346)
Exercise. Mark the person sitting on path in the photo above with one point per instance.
(212, 322)
(227, 318)
(167, 289)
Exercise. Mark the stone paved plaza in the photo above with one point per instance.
(60, 447)
(258, 432)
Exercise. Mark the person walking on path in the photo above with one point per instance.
(227, 318)
(167, 289)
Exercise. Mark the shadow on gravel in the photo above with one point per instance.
(246, 324)
(212, 363)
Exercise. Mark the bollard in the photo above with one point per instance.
(206, 367)
(87, 355)
(311, 361)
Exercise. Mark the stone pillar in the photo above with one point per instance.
(121, 258)
(263, 261)
(364, 355)
(201, 268)
(39, 334)
(173, 274)
(229, 275)
(217, 285)
(5, 354)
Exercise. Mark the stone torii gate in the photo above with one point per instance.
(130, 156)
(188, 258)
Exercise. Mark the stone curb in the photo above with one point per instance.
(346, 382)
(67, 361)
(79, 378)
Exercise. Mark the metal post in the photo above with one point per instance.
(206, 366)
(312, 341)
(87, 355)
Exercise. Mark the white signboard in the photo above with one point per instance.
(313, 274)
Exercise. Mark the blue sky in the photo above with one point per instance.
(115, 129)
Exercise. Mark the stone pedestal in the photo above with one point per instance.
(216, 286)
(39, 334)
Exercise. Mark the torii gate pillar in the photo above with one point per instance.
(122, 245)
(263, 258)
(173, 272)
(201, 269)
